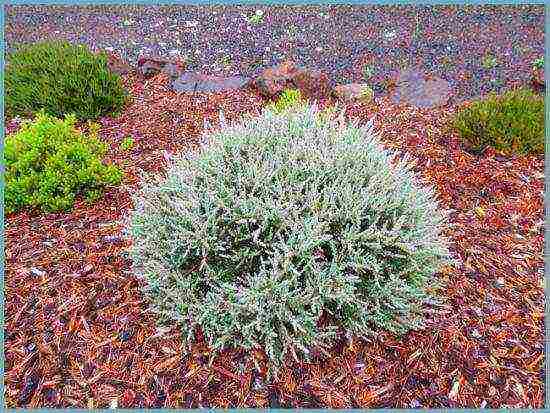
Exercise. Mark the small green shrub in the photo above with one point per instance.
(61, 79)
(127, 143)
(511, 123)
(489, 61)
(290, 98)
(278, 220)
(49, 162)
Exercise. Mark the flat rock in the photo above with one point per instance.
(171, 70)
(415, 88)
(149, 66)
(354, 91)
(191, 82)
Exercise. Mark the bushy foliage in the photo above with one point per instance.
(61, 79)
(512, 122)
(290, 98)
(49, 162)
(279, 220)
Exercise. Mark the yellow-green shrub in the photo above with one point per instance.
(49, 162)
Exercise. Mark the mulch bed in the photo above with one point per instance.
(78, 332)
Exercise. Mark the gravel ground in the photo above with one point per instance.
(452, 42)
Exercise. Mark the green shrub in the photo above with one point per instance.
(61, 79)
(511, 123)
(290, 98)
(281, 219)
(49, 162)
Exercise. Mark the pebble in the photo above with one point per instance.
(499, 282)
(37, 272)
(475, 333)
(390, 34)
(112, 238)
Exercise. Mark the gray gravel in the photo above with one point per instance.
(448, 41)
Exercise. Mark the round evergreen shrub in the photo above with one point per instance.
(61, 78)
(48, 162)
(286, 230)
(511, 123)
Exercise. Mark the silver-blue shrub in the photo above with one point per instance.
(281, 219)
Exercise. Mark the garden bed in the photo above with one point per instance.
(78, 332)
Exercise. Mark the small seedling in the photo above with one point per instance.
(538, 63)
(496, 82)
(489, 61)
(127, 143)
(292, 30)
(225, 60)
(367, 72)
(417, 28)
(446, 61)
(257, 17)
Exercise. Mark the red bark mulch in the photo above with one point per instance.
(78, 333)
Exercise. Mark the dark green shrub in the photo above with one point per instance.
(510, 123)
(49, 162)
(283, 218)
(61, 79)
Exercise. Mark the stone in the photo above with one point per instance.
(192, 82)
(274, 80)
(150, 66)
(37, 272)
(112, 239)
(313, 84)
(353, 92)
(172, 70)
(415, 88)
(499, 282)
(116, 65)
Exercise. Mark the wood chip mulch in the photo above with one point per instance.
(78, 332)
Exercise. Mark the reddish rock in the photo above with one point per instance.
(415, 88)
(198, 82)
(116, 65)
(313, 84)
(354, 91)
(274, 80)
